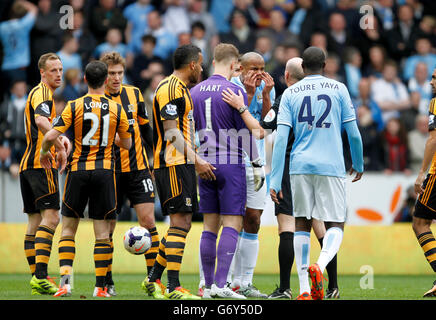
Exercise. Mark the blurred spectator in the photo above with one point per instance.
(264, 47)
(427, 28)
(371, 139)
(46, 36)
(338, 36)
(136, 15)
(390, 93)
(353, 63)
(395, 145)
(401, 39)
(384, 12)
(199, 38)
(287, 6)
(71, 90)
(113, 43)
(13, 129)
(184, 38)
(149, 92)
(221, 11)
(365, 99)
(372, 34)
(277, 31)
(417, 139)
(290, 50)
(424, 55)
(240, 34)
(420, 84)
(332, 67)
(106, 16)
(306, 20)
(84, 37)
(319, 39)
(166, 41)
(175, 18)
(264, 13)
(348, 8)
(405, 214)
(377, 58)
(139, 72)
(247, 7)
(197, 12)
(14, 37)
(69, 57)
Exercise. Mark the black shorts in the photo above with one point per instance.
(177, 189)
(425, 206)
(137, 186)
(39, 190)
(285, 204)
(97, 188)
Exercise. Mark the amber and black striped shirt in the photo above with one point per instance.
(39, 103)
(95, 120)
(133, 103)
(172, 101)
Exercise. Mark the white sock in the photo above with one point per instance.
(235, 271)
(331, 243)
(249, 252)
(232, 265)
(200, 267)
(302, 257)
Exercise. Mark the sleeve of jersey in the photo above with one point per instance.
(347, 107)
(124, 127)
(284, 113)
(431, 115)
(270, 120)
(63, 122)
(142, 110)
(168, 104)
(42, 104)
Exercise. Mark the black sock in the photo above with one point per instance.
(173, 280)
(332, 270)
(286, 259)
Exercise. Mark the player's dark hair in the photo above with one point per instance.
(95, 74)
(185, 55)
(313, 60)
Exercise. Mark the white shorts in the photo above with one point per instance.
(319, 197)
(255, 200)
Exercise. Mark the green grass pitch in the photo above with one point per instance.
(128, 286)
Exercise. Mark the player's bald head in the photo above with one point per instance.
(294, 68)
(313, 60)
(251, 57)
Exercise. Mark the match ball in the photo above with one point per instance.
(137, 240)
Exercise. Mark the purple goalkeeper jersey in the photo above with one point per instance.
(221, 131)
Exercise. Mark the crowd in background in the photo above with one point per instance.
(385, 53)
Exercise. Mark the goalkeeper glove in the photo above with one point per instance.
(258, 174)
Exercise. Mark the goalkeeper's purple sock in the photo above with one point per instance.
(208, 256)
(226, 251)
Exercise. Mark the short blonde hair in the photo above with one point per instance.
(42, 62)
(225, 52)
(113, 58)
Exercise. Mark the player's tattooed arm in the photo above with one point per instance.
(172, 134)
